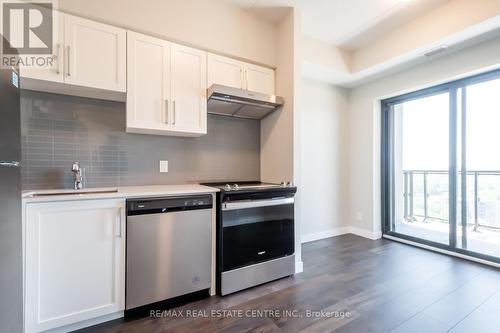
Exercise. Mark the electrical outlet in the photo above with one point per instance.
(163, 166)
(359, 216)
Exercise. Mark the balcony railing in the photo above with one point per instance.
(426, 196)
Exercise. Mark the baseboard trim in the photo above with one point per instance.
(324, 234)
(87, 323)
(366, 233)
(340, 231)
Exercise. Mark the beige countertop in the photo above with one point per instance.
(115, 192)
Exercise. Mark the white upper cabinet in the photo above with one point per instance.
(95, 54)
(55, 72)
(148, 83)
(75, 262)
(87, 54)
(225, 71)
(166, 87)
(259, 79)
(189, 90)
(237, 74)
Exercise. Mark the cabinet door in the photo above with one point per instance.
(55, 71)
(95, 54)
(259, 79)
(225, 71)
(189, 90)
(148, 82)
(75, 260)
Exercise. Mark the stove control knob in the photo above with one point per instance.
(227, 187)
(289, 184)
(236, 187)
(283, 184)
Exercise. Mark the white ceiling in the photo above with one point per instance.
(349, 24)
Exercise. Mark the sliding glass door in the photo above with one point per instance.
(441, 166)
(479, 224)
(420, 164)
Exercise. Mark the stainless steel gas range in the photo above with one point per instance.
(255, 234)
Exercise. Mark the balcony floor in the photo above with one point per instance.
(485, 240)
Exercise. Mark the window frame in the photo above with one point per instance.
(387, 158)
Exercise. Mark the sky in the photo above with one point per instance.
(426, 130)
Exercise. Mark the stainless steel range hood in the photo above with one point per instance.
(228, 101)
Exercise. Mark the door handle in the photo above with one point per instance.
(69, 61)
(246, 79)
(58, 58)
(175, 113)
(242, 78)
(10, 164)
(119, 219)
(166, 111)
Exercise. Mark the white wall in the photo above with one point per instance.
(322, 115)
(278, 140)
(277, 133)
(213, 25)
(364, 124)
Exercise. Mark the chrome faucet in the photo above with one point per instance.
(78, 175)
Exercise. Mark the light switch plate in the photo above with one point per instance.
(163, 166)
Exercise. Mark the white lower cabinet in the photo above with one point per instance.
(74, 262)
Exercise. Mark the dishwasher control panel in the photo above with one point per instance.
(168, 204)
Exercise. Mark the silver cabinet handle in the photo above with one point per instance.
(166, 111)
(69, 61)
(246, 79)
(10, 164)
(119, 219)
(242, 78)
(58, 58)
(175, 116)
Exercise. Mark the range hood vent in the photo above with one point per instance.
(228, 101)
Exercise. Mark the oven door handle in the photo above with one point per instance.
(257, 203)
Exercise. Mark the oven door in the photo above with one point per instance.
(257, 230)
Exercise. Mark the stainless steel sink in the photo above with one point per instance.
(44, 193)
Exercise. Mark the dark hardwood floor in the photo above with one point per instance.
(361, 285)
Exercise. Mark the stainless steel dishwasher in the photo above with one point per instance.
(168, 248)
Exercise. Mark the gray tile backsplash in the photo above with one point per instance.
(58, 130)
